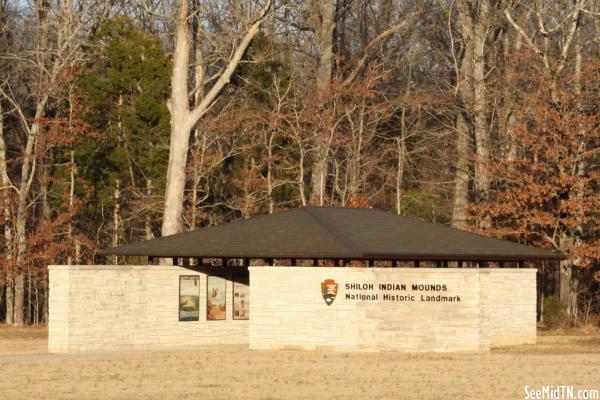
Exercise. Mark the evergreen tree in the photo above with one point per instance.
(125, 89)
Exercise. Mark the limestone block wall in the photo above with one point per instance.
(512, 306)
(58, 309)
(288, 309)
(123, 307)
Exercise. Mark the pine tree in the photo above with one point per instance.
(125, 89)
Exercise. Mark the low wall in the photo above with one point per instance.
(448, 310)
(512, 306)
(122, 307)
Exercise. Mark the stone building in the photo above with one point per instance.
(314, 277)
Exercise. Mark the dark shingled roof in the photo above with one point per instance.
(337, 233)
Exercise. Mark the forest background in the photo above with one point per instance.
(128, 120)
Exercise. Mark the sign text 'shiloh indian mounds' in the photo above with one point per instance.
(400, 292)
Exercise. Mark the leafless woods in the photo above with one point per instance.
(121, 121)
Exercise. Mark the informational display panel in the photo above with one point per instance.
(216, 300)
(241, 300)
(189, 298)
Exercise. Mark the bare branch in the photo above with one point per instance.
(223, 80)
(370, 48)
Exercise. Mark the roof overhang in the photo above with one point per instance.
(335, 233)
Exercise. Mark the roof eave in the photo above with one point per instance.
(467, 257)
(372, 256)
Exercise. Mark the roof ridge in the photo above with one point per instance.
(339, 236)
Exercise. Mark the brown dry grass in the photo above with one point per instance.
(29, 340)
(225, 372)
(584, 330)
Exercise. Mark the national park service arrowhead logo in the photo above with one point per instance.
(329, 289)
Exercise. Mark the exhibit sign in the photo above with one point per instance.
(216, 306)
(189, 298)
(241, 297)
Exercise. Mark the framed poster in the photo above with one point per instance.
(216, 306)
(241, 300)
(189, 298)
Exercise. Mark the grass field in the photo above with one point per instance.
(229, 372)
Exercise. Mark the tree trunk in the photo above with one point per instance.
(71, 205)
(116, 218)
(581, 171)
(300, 179)
(480, 126)
(355, 160)
(36, 305)
(318, 173)
(195, 187)
(566, 274)
(325, 33)
(77, 253)
(509, 120)
(574, 303)
(401, 149)
(45, 302)
(461, 177)
(269, 144)
(19, 278)
(8, 233)
(474, 25)
(19, 298)
(463, 128)
(29, 311)
(183, 119)
(323, 81)
(401, 146)
(198, 135)
(10, 299)
(148, 217)
(27, 174)
(43, 182)
(174, 193)
(180, 127)
(198, 165)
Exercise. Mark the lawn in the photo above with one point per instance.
(225, 372)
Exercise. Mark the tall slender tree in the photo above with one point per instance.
(183, 117)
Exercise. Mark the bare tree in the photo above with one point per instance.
(551, 33)
(184, 118)
(471, 118)
(562, 29)
(47, 60)
(325, 15)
